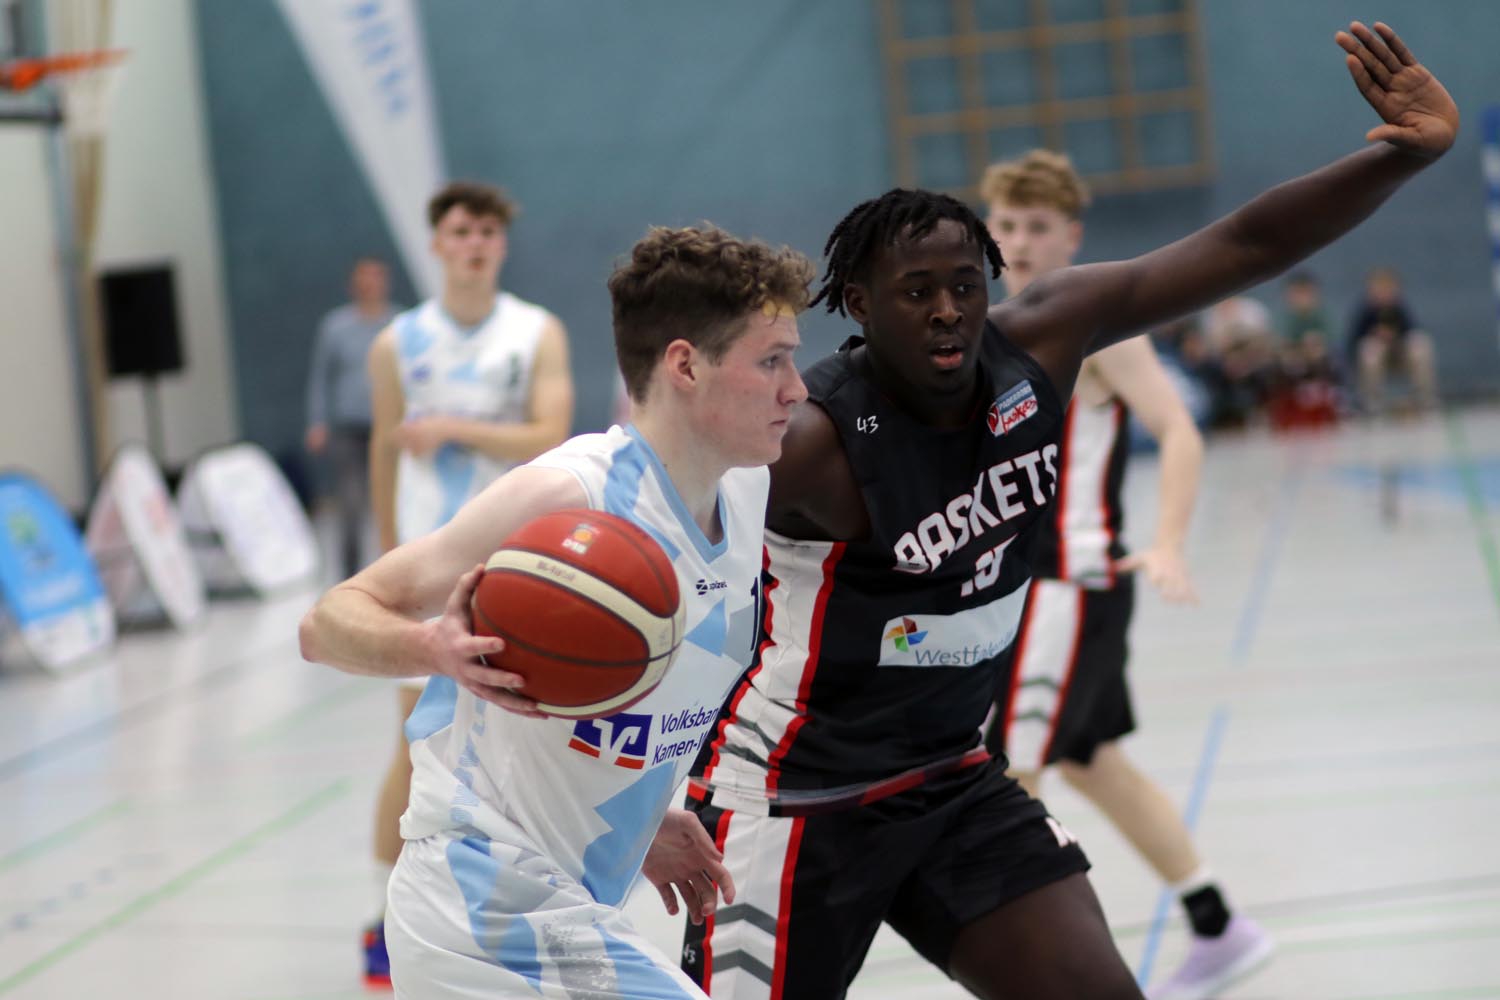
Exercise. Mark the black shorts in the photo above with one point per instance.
(813, 890)
(1062, 691)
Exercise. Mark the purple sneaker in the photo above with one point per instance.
(1214, 963)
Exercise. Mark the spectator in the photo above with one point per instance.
(338, 400)
(1239, 337)
(1384, 336)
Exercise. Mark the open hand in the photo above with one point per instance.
(1420, 117)
(456, 652)
(1164, 569)
(683, 857)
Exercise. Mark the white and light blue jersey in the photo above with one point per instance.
(587, 796)
(481, 373)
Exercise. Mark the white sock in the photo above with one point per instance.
(382, 875)
(1200, 879)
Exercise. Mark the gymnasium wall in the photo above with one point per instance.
(602, 119)
(768, 119)
(1283, 103)
(157, 205)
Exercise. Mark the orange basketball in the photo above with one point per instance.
(588, 606)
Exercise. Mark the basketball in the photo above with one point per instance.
(589, 609)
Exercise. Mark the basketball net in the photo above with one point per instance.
(85, 92)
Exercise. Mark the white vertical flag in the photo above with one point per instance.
(368, 57)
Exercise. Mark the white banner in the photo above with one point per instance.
(136, 538)
(243, 522)
(368, 57)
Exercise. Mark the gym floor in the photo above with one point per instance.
(191, 818)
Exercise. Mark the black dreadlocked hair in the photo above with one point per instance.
(876, 223)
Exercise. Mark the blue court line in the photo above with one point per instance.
(1265, 567)
(1210, 753)
(1239, 653)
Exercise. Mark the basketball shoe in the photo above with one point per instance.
(1213, 963)
(377, 962)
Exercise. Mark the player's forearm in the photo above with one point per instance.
(350, 630)
(1181, 462)
(506, 442)
(1295, 219)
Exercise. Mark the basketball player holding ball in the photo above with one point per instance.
(464, 387)
(524, 829)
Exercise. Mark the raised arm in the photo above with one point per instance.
(1070, 312)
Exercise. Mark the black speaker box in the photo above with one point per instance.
(139, 307)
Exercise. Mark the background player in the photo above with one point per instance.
(1062, 697)
(465, 387)
(844, 784)
(519, 847)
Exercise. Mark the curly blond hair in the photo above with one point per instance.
(699, 285)
(1039, 179)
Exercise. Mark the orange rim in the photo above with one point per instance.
(23, 74)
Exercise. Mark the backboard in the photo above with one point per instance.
(22, 36)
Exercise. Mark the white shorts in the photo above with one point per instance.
(470, 918)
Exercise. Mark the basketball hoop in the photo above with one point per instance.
(85, 83)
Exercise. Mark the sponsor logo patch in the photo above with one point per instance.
(905, 635)
(582, 537)
(1011, 407)
(623, 737)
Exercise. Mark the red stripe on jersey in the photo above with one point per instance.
(784, 909)
(721, 833)
(1061, 498)
(745, 682)
(809, 668)
(576, 744)
(1104, 509)
(1062, 692)
(1018, 651)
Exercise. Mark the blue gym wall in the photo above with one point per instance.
(769, 119)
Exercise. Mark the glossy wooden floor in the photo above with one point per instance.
(191, 819)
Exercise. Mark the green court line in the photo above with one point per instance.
(1462, 993)
(1359, 797)
(1395, 939)
(177, 885)
(1334, 915)
(1458, 443)
(346, 693)
(66, 835)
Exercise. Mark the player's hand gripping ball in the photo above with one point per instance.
(589, 609)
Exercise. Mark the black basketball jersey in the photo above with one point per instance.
(1079, 539)
(878, 657)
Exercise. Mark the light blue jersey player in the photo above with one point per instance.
(524, 832)
(480, 374)
(463, 388)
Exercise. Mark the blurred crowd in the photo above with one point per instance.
(1242, 364)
